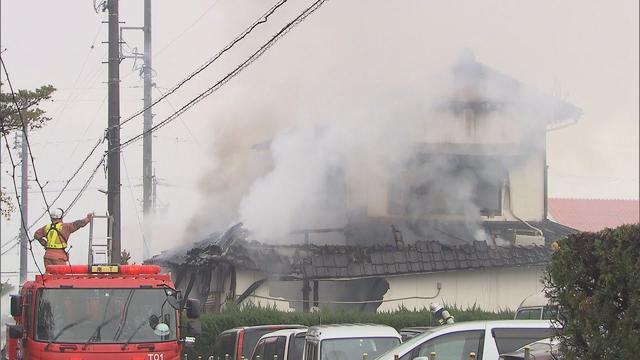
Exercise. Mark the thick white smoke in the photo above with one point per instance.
(306, 152)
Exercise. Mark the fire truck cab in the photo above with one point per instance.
(96, 312)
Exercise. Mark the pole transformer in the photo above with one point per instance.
(147, 148)
(113, 156)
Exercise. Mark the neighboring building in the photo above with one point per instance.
(594, 214)
(468, 211)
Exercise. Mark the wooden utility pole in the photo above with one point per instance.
(113, 157)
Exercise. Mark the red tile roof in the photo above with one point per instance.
(594, 214)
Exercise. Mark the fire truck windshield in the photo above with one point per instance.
(105, 316)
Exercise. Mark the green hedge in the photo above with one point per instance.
(249, 315)
(595, 278)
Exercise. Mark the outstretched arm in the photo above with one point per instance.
(79, 224)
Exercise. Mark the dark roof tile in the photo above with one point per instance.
(415, 267)
(388, 258)
(368, 269)
(413, 256)
(376, 258)
(341, 260)
(400, 257)
(435, 247)
(355, 269)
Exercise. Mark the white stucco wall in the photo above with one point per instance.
(490, 289)
(527, 189)
(244, 279)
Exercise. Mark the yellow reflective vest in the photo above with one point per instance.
(54, 238)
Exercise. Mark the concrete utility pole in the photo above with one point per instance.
(147, 148)
(113, 157)
(24, 209)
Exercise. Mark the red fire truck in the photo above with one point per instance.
(95, 312)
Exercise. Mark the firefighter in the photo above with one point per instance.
(55, 236)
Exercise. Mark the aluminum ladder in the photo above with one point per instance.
(100, 247)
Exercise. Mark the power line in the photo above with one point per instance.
(13, 179)
(86, 184)
(26, 138)
(181, 121)
(64, 188)
(196, 21)
(283, 31)
(263, 19)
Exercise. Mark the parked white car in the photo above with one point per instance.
(349, 341)
(488, 339)
(285, 344)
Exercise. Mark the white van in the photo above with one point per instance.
(349, 341)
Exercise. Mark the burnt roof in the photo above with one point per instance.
(341, 261)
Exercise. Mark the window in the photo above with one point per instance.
(251, 337)
(354, 349)
(296, 346)
(281, 343)
(259, 350)
(454, 346)
(27, 310)
(529, 314)
(311, 351)
(104, 316)
(508, 340)
(269, 348)
(225, 344)
(550, 313)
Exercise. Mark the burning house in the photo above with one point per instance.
(459, 215)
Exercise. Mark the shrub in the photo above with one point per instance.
(250, 315)
(595, 278)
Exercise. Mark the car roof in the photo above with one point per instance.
(275, 327)
(350, 331)
(285, 332)
(468, 325)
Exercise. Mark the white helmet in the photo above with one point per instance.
(57, 214)
(162, 329)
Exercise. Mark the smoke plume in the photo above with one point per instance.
(329, 145)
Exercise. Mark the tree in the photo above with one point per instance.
(595, 278)
(26, 101)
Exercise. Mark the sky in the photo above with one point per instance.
(584, 52)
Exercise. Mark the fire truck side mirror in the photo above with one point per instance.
(193, 308)
(16, 331)
(16, 305)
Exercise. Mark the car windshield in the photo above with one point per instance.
(411, 343)
(105, 316)
(353, 349)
